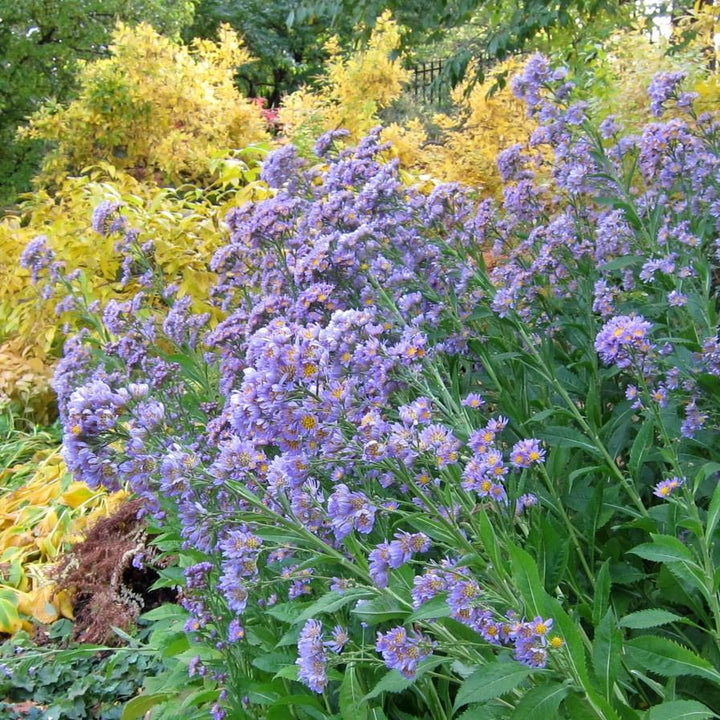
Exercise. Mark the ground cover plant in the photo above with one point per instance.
(401, 482)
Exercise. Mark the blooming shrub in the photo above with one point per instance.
(403, 485)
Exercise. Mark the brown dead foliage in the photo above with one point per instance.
(107, 590)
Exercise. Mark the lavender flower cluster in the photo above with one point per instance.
(320, 437)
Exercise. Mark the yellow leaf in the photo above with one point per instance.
(37, 603)
(77, 494)
(64, 605)
(10, 621)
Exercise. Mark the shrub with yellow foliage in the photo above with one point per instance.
(353, 89)
(185, 229)
(617, 79)
(154, 106)
(486, 119)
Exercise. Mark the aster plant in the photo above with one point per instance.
(402, 482)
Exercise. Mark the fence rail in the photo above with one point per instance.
(427, 83)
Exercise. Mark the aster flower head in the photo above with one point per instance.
(624, 339)
(403, 652)
(526, 453)
(661, 89)
(37, 256)
(312, 659)
(102, 222)
(665, 488)
(339, 638)
(473, 400)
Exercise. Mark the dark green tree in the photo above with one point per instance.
(287, 46)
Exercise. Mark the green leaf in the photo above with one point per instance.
(290, 672)
(136, 708)
(491, 681)
(664, 548)
(642, 442)
(664, 657)
(559, 436)
(489, 539)
(643, 619)
(331, 602)
(376, 714)
(680, 710)
(286, 612)
(603, 584)
(437, 607)
(379, 610)
(713, 515)
(541, 702)
(568, 629)
(392, 682)
(351, 695)
(165, 612)
(527, 581)
(272, 662)
(607, 652)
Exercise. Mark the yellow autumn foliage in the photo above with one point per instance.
(154, 106)
(617, 80)
(24, 382)
(185, 230)
(352, 89)
(485, 120)
(38, 521)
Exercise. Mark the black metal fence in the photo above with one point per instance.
(427, 82)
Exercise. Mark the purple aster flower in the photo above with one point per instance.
(312, 659)
(677, 299)
(666, 487)
(693, 421)
(380, 565)
(403, 652)
(526, 453)
(609, 127)
(405, 546)
(101, 218)
(624, 339)
(36, 256)
(661, 89)
(235, 631)
(473, 400)
(339, 638)
(525, 501)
